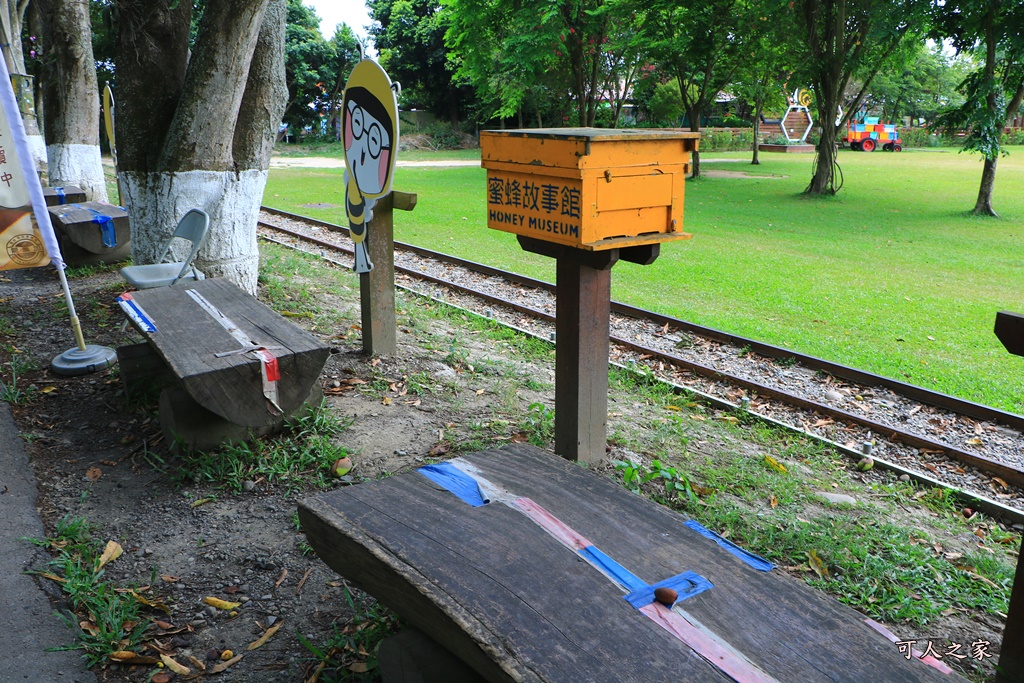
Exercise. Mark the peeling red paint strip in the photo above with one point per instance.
(723, 656)
(929, 660)
(551, 524)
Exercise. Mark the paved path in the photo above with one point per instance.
(30, 626)
(330, 162)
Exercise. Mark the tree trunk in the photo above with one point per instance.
(757, 134)
(694, 116)
(12, 14)
(983, 207)
(73, 100)
(217, 137)
(823, 181)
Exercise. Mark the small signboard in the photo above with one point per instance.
(370, 129)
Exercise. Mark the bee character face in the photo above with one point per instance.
(367, 144)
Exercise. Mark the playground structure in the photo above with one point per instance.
(869, 134)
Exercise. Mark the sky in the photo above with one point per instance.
(334, 12)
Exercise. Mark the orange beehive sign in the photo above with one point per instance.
(589, 188)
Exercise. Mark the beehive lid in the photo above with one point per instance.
(568, 147)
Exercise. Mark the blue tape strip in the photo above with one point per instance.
(135, 312)
(612, 569)
(61, 197)
(106, 224)
(755, 561)
(686, 585)
(456, 481)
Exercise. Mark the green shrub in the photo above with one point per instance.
(1014, 137)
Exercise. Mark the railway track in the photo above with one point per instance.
(932, 437)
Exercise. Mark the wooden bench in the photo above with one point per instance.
(530, 585)
(207, 337)
(91, 233)
(68, 194)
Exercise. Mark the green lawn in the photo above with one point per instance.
(891, 276)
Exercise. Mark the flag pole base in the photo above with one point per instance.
(84, 361)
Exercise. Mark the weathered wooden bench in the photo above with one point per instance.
(91, 233)
(240, 369)
(518, 563)
(68, 194)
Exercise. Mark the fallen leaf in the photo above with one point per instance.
(108, 463)
(223, 666)
(202, 501)
(358, 667)
(480, 391)
(175, 666)
(155, 604)
(731, 419)
(280, 579)
(93, 473)
(774, 464)
(672, 407)
(439, 449)
(52, 577)
(817, 565)
(110, 553)
(386, 400)
(163, 625)
(161, 678)
(220, 604)
(267, 635)
(1000, 482)
(774, 502)
(167, 578)
(47, 390)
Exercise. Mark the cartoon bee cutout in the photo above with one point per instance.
(370, 128)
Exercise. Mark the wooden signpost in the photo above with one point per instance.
(1010, 331)
(586, 197)
(377, 287)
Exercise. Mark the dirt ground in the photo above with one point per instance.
(101, 456)
(98, 456)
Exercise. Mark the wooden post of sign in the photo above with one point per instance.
(377, 288)
(1011, 654)
(582, 312)
(1010, 331)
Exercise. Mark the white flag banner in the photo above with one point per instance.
(26, 234)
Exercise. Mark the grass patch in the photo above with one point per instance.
(760, 488)
(111, 619)
(891, 275)
(299, 458)
(351, 652)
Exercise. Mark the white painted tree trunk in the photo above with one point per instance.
(195, 130)
(79, 165)
(160, 199)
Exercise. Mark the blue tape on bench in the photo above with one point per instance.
(61, 197)
(686, 585)
(613, 569)
(755, 561)
(456, 481)
(106, 224)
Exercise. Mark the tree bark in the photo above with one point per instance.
(983, 207)
(215, 128)
(755, 161)
(72, 130)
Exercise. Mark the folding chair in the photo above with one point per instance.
(193, 227)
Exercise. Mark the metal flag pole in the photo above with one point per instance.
(83, 358)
